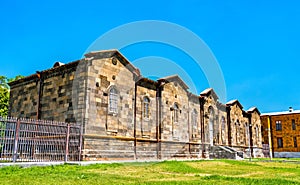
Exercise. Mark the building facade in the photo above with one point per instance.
(127, 116)
(281, 133)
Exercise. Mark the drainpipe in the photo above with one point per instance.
(229, 125)
(157, 122)
(40, 92)
(250, 133)
(38, 111)
(249, 139)
(270, 138)
(202, 124)
(158, 117)
(134, 120)
(189, 129)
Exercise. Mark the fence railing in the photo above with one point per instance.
(27, 140)
(266, 150)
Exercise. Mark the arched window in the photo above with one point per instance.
(176, 112)
(246, 133)
(113, 100)
(146, 108)
(194, 122)
(257, 133)
(223, 130)
(237, 131)
(211, 124)
(194, 119)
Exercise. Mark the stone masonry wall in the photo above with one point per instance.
(236, 123)
(81, 92)
(56, 97)
(104, 73)
(194, 119)
(146, 127)
(24, 98)
(173, 94)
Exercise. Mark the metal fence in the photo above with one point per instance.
(27, 140)
(266, 150)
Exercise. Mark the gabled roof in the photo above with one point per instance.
(146, 82)
(209, 91)
(175, 78)
(253, 109)
(232, 102)
(114, 53)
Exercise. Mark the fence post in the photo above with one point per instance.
(67, 142)
(17, 131)
(80, 141)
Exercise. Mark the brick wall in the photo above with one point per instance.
(287, 134)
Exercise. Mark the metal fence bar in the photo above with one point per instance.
(67, 143)
(39, 140)
(17, 132)
(80, 142)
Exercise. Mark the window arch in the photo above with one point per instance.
(176, 109)
(113, 100)
(211, 125)
(257, 133)
(223, 129)
(237, 131)
(194, 122)
(194, 118)
(146, 107)
(246, 133)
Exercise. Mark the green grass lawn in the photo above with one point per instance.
(169, 172)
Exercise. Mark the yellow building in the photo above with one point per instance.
(282, 134)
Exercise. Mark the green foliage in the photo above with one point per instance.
(4, 93)
(4, 99)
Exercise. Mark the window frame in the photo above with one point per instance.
(279, 142)
(194, 122)
(278, 125)
(176, 110)
(293, 124)
(146, 108)
(295, 142)
(113, 100)
(223, 131)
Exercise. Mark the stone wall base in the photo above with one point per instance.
(118, 149)
(287, 154)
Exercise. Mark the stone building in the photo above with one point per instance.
(281, 131)
(127, 116)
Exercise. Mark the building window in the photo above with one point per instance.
(175, 113)
(194, 122)
(293, 124)
(113, 100)
(237, 132)
(257, 134)
(279, 142)
(278, 125)
(295, 142)
(146, 108)
(223, 130)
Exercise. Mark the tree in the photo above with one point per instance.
(4, 96)
(4, 93)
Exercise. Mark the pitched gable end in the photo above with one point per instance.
(174, 78)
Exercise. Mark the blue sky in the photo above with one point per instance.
(256, 43)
